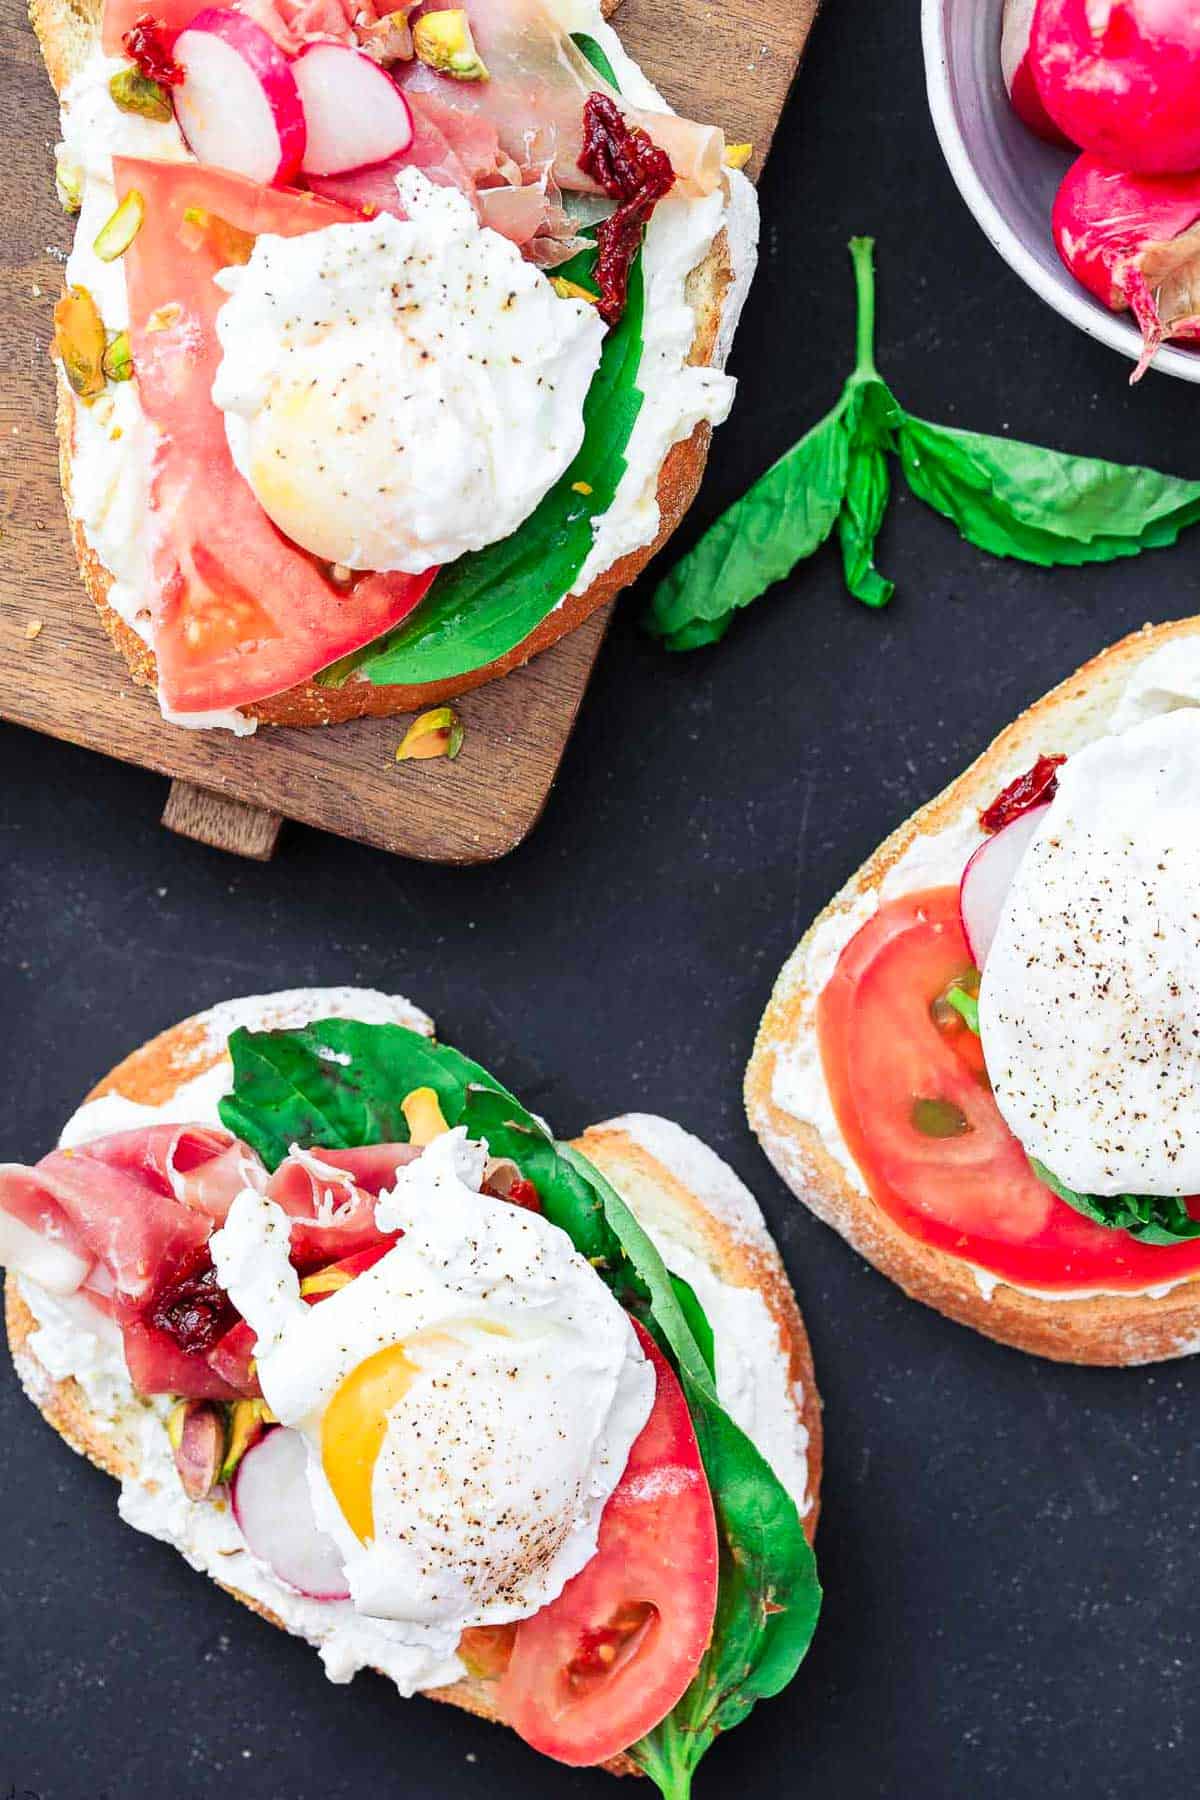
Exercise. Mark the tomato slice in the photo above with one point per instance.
(971, 1192)
(239, 612)
(600, 1666)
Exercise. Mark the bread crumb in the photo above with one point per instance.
(33, 629)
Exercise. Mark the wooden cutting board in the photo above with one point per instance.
(732, 63)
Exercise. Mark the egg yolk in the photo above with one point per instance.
(353, 1430)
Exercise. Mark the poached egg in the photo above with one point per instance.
(1089, 1008)
(468, 1404)
(398, 392)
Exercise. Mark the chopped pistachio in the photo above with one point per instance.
(163, 317)
(79, 342)
(443, 41)
(423, 1115)
(389, 39)
(738, 155)
(571, 290)
(247, 1422)
(325, 1281)
(436, 733)
(117, 233)
(196, 1429)
(68, 180)
(118, 359)
(134, 92)
(203, 229)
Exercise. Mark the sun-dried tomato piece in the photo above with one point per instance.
(194, 1310)
(146, 42)
(1034, 788)
(633, 171)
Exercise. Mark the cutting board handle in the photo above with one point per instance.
(225, 823)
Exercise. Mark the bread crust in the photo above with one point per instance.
(1106, 1329)
(153, 1073)
(67, 31)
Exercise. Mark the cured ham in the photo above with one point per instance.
(453, 149)
(128, 1218)
(290, 22)
(462, 150)
(330, 1197)
(539, 82)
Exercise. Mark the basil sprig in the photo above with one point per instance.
(1006, 497)
(340, 1083)
(1150, 1218)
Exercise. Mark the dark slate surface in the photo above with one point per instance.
(1006, 1545)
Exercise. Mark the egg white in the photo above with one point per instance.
(528, 1389)
(398, 392)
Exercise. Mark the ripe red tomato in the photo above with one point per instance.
(600, 1666)
(966, 1186)
(239, 612)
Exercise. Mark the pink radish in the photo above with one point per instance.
(354, 114)
(238, 105)
(1018, 76)
(273, 1509)
(1134, 242)
(987, 879)
(1122, 78)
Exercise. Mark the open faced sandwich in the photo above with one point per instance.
(527, 1426)
(982, 1063)
(391, 342)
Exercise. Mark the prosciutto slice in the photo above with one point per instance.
(126, 1198)
(330, 1196)
(127, 1218)
(539, 81)
(290, 22)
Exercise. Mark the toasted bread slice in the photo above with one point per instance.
(1100, 1328)
(678, 1187)
(68, 31)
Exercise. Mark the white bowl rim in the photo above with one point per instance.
(1072, 302)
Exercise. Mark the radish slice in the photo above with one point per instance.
(273, 1509)
(354, 113)
(238, 105)
(987, 879)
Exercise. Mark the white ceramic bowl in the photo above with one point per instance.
(1007, 176)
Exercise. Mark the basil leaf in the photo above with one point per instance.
(786, 516)
(768, 1602)
(768, 1597)
(697, 1321)
(1150, 1218)
(487, 602)
(1043, 506)
(340, 1083)
(598, 57)
(868, 488)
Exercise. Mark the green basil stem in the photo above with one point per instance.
(966, 1006)
(1006, 497)
(862, 255)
